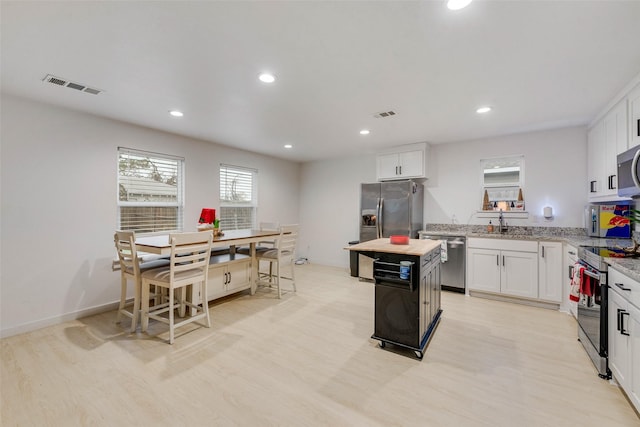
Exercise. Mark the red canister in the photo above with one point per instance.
(399, 240)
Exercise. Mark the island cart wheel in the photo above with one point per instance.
(382, 344)
(419, 355)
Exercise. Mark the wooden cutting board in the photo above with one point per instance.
(415, 247)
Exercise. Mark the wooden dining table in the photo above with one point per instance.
(160, 245)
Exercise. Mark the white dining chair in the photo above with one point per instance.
(262, 245)
(131, 268)
(188, 266)
(281, 255)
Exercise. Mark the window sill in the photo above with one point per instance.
(505, 214)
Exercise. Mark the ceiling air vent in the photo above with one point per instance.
(75, 86)
(92, 91)
(384, 114)
(66, 83)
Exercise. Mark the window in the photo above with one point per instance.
(238, 200)
(150, 191)
(502, 183)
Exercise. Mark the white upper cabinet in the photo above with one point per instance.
(615, 140)
(595, 160)
(605, 140)
(616, 132)
(633, 100)
(409, 161)
(615, 124)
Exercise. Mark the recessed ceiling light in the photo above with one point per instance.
(267, 78)
(176, 113)
(364, 132)
(483, 110)
(288, 146)
(458, 4)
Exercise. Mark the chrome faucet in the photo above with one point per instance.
(503, 225)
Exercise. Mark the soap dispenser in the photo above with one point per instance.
(490, 227)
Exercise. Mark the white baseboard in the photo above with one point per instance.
(55, 320)
(523, 301)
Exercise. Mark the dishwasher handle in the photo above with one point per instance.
(452, 241)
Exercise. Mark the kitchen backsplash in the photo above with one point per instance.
(513, 230)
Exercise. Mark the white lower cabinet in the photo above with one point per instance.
(519, 274)
(483, 270)
(570, 259)
(516, 268)
(618, 341)
(227, 274)
(228, 277)
(634, 350)
(501, 266)
(624, 333)
(550, 271)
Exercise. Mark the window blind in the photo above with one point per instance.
(238, 199)
(236, 186)
(150, 191)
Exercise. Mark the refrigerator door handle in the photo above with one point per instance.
(378, 218)
(380, 206)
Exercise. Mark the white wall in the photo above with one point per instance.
(59, 205)
(58, 221)
(555, 175)
(329, 206)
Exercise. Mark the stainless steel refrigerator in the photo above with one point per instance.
(391, 208)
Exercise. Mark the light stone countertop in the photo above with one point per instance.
(572, 236)
(627, 266)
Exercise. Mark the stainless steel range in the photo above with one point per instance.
(593, 304)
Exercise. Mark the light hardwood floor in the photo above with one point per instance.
(308, 360)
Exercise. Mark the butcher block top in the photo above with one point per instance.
(415, 247)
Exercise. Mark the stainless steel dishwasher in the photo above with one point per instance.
(452, 271)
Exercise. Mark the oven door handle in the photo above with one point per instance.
(590, 274)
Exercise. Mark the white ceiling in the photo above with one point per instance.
(540, 64)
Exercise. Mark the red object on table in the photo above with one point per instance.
(399, 240)
(207, 216)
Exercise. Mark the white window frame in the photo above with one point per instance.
(151, 228)
(497, 191)
(227, 202)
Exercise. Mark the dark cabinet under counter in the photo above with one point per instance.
(407, 307)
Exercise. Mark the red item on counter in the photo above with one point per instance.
(207, 216)
(399, 240)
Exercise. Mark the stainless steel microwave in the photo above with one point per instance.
(629, 173)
